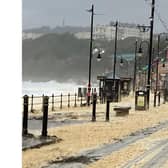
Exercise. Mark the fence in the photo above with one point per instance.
(57, 102)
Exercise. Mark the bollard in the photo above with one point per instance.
(61, 102)
(25, 114)
(158, 98)
(94, 106)
(107, 110)
(68, 99)
(31, 104)
(155, 93)
(45, 116)
(52, 102)
(75, 101)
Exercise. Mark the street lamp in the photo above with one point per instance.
(140, 52)
(90, 56)
(159, 39)
(150, 51)
(135, 65)
(122, 63)
(99, 52)
(115, 50)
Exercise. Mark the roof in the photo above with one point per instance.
(108, 75)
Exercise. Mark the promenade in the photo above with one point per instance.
(121, 142)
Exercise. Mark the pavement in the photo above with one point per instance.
(35, 140)
(87, 157)
(30, 141)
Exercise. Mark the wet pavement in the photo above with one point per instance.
(37, 124)
(34, 140)
(30, 141)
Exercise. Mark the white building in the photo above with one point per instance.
(31, 35)
(107, 32)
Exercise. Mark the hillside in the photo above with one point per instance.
(62, 57)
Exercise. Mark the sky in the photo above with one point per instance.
(37, 13)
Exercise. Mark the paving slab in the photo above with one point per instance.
(30, 141)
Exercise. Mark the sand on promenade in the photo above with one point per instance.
(90, 135)
(135, 155)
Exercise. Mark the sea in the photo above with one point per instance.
(51, 87)
(56, 88)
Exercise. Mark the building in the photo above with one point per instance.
(107, 32)
(31, 35)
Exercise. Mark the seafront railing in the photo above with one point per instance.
(57, 102)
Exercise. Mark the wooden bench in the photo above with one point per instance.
(122, 110)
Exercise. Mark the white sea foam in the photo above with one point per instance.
(48, 88)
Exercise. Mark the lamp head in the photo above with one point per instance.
(95, 50)
(140, 52)
(99, 57)
(121, 62)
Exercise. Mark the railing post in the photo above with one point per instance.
(25, 114)
(81, 102)
(61, 102)
(68, 99)
(52, 102)
(94, 106)
(45, 116)
(155, 94)
(107, 110)
(158, 98)
(75, 101)
(31, 104)
(164, 96)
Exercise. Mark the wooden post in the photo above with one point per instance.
(75, 101)
(45, 116)
(52, 102)
(31, 104)
(25, 114)
(61, 102)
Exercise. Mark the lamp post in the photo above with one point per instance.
(140, 52)
(114, 68)
(159, 39)
(122, 63)
(157, 67)
(135, 66)
(90, 56)
(150, 51)
(115, 49)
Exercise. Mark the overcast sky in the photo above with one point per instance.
(51, 13)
